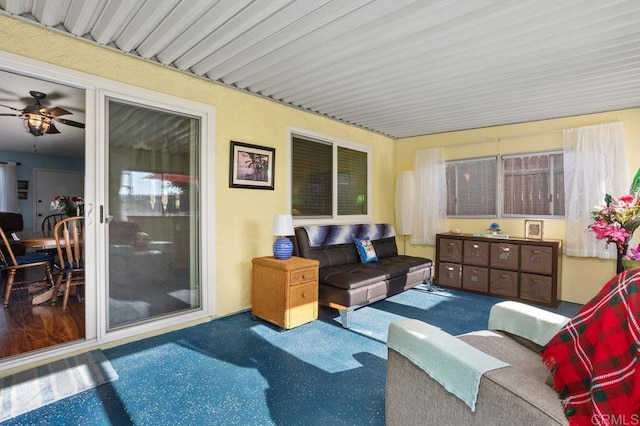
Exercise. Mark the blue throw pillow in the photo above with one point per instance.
(365, 250)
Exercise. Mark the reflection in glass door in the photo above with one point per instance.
(153, 260)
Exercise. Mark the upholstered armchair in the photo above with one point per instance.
(490, 377)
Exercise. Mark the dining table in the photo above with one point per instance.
(38, 240)
(43, 241)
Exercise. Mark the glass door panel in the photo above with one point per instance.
(152, 211)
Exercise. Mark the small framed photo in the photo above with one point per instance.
(251, 166)
(533, 229)
(23, 195)
(23, 185)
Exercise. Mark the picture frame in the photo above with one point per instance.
(23, 185)
(251, 166)
(23, 195)
(533, 229)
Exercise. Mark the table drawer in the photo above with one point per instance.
(537, 288)
(504, 256)
(450, 275)
(503, 283)
(476, 253)
(450, 250)
(303, 275)
(303, 305)
(475, 278)
(536, 259)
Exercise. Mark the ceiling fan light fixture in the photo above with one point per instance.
(36, 124)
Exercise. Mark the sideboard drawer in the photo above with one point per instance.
(503, 283)
(537, 288)
(536, 259)
(476, 253)
(475, 278)
(504, 256)
(450, 250)
(450, 275)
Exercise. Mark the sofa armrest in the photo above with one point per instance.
(529, 322)
(453, 363)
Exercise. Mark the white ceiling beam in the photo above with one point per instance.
(50, 12)
(206, 24)
(261, 32)
(144, 22)
(82, 16)
(306, 25)
(254, 13)
(113, 19)
(17, 7)
(177, 21)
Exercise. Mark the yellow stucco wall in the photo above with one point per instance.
(243, 216)
(581, 277)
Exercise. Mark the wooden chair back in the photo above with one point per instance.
(9, 251)
(69, 236)
(49, 222)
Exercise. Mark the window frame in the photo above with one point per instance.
(551, 184)
(335, 218)
(500, 185)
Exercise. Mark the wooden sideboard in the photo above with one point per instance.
(514, 268)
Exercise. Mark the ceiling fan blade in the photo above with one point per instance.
(10, 115)
(55, 111)
(52, 129)
(69, 122)
(10, 107)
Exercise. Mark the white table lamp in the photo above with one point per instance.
(282, 227)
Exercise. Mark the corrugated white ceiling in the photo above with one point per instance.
(398, 67)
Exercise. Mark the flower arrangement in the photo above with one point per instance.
(71, 206)
(616, 221)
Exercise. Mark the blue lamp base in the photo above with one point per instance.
(282, 248)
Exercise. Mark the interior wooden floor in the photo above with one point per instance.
(25, 327)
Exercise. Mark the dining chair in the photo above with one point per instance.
(13, 263)
(49, 222)
(69, 236)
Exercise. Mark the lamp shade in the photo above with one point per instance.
(405, 196)
(282, 225)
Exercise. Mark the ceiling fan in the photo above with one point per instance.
(38, 120)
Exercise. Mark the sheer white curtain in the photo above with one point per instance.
(8, 188)
(431, 196)
(595, 164)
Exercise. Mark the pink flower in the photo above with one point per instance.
(617, 235)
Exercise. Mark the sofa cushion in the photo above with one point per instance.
(366, 251)
(355, 275)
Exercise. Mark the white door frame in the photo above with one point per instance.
(95, 144)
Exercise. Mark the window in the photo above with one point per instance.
(533, 185)
(329, 178)
(471, 187)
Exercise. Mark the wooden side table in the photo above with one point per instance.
(285, 292)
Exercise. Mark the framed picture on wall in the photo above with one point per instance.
(251, 166)
(23, 185)
(23, 195)
(533, 229)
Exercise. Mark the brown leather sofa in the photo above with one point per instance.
(345, 283)
(12, 222)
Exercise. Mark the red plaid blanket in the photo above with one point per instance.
(594, 357)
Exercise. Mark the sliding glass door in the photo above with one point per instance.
(152, 213)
